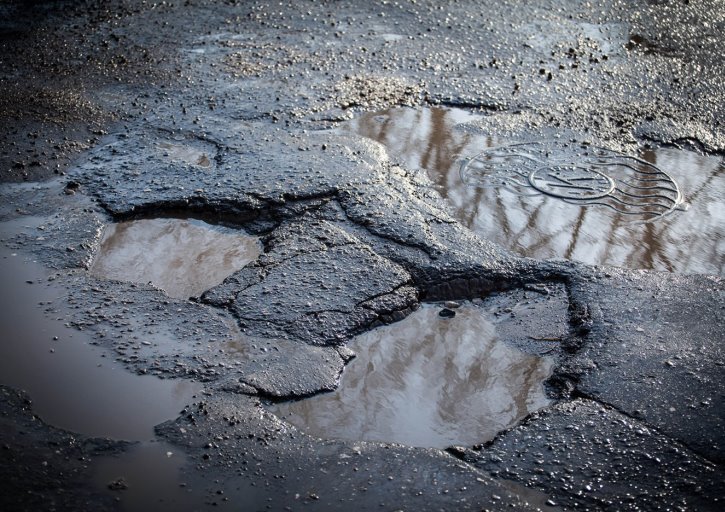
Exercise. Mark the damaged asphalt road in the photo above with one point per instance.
(227, 113)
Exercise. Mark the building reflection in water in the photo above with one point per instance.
(545, 227)
(428, 381)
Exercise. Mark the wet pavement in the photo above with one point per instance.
(333, 163)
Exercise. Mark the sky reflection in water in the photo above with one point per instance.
(546, 227)
(428, 381)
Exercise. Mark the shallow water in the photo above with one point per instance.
(427, 381)
(183, 257)
(148, 477)
(72, 384)
(540, 226)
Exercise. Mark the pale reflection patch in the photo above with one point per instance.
(428, 381)
(185, 153)
(183, 257)
(689, 241)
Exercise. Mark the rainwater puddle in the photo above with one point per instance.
(148, 477)
(427, 381)
(71, 384)
(183, 257)
(540, 226)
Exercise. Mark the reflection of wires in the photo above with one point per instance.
(581, 175)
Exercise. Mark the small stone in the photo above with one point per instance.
(447, 313)
(118, 485)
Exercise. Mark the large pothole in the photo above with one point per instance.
(535, 214)
(72, 384)
(183, 257)
(429, 380)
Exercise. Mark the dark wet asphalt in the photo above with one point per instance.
(225, 113)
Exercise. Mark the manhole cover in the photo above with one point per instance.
(578, 174)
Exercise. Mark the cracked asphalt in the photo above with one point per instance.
(96, 96)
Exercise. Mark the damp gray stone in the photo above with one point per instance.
(287, 369)
(316, 283)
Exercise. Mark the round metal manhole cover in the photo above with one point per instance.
(578, 174)
(571, 182)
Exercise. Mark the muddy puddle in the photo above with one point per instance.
(534, 224)
(72, 384)
(183, 257)
(428, 381)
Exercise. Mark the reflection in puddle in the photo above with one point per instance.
(63, 375)
(183, 257)
(427, 381)
(546, 227)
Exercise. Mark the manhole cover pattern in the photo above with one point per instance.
(577, 174)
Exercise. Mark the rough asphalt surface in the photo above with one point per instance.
(92, 93)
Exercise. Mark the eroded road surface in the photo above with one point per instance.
(362, 255)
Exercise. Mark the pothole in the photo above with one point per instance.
(556, 200)
(148, 475)
(183, 257)
(72, 384)
(429, 380)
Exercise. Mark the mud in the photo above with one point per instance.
(427, 381)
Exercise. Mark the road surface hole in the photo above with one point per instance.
(529, 222)
(428, 381)
(183, 257)
(72, 385)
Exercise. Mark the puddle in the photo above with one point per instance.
(147, 477)
(534, 224)
(183, 257)
(427, 381)
(72, 385)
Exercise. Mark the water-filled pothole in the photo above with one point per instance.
(428, 380)
(72, 384)
(147, 476)
(183, 257)
(529, 221)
